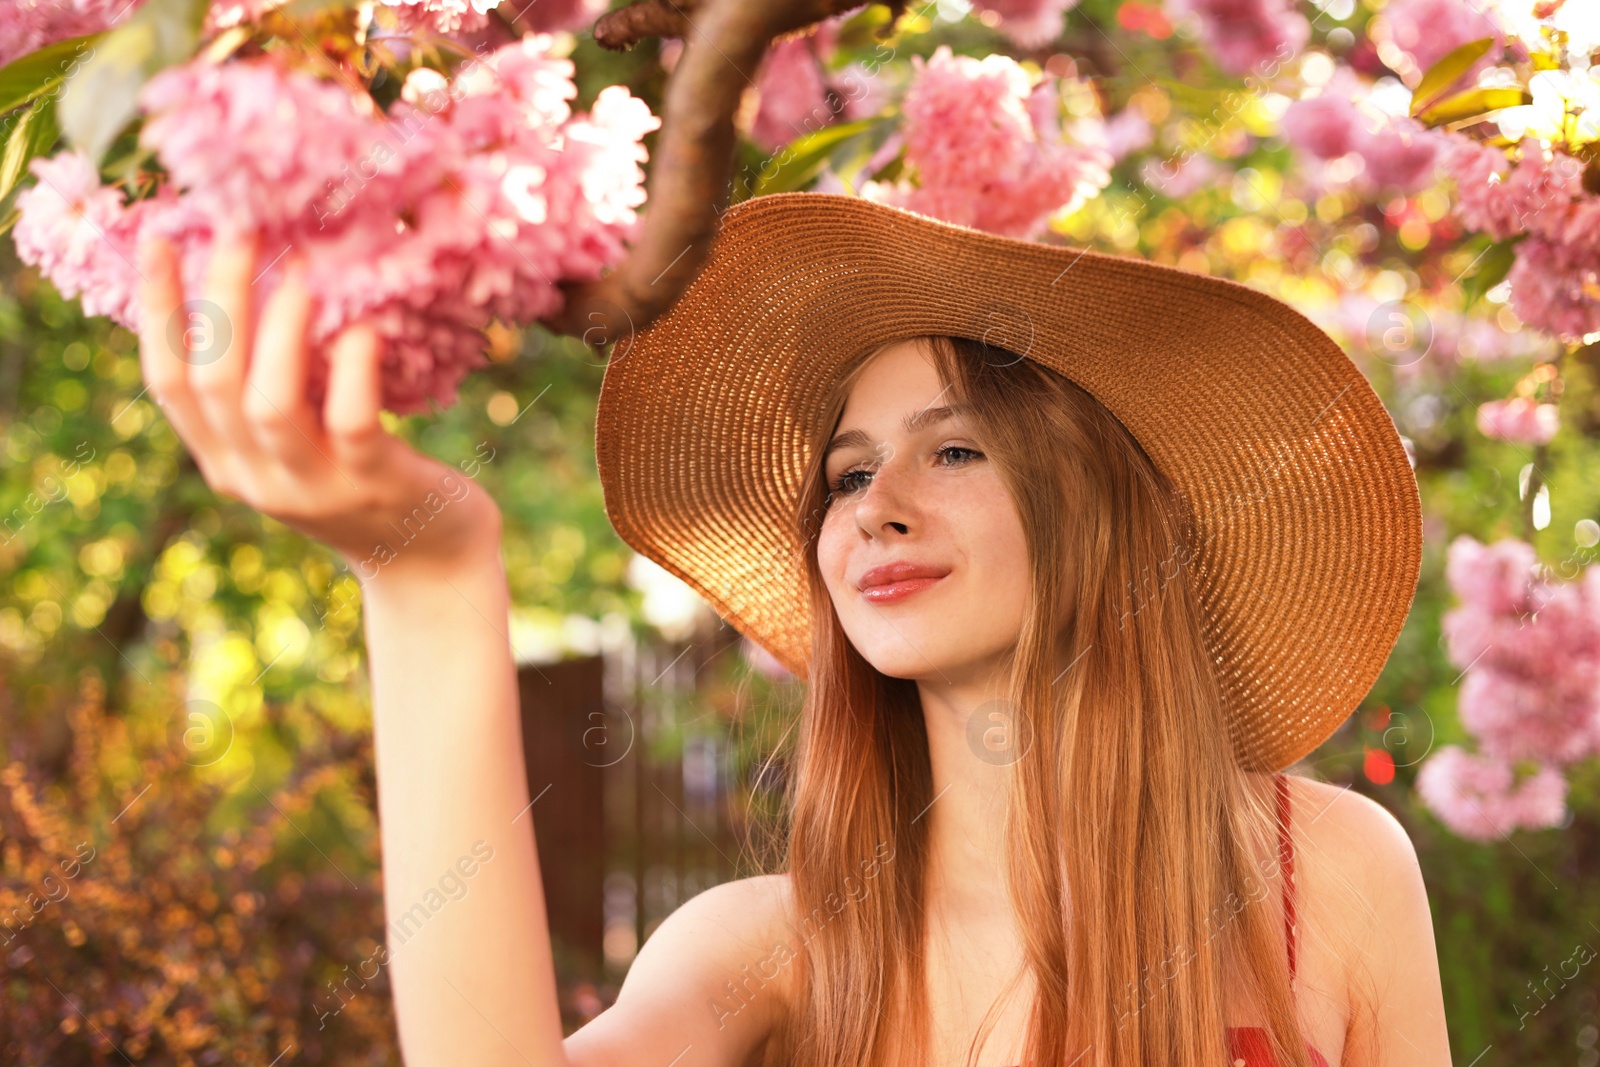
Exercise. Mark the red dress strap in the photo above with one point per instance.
(1286, 860)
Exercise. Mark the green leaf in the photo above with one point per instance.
(32, 135)
(1491, 269)
(1473, 103)
(10, 221)
(804, 156)
(1447, 71)
(29, 77)
(102, 96)
(856, 152)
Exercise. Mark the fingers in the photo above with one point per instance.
(274, 401)
(162, 352)
(242, 412)
(218, 338)
(355, 396)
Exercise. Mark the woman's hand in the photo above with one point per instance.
(240, 407)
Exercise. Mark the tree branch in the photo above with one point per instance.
(724, 44)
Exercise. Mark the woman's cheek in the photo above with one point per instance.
(830, 553)
(996, 546)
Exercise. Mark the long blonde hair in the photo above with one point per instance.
(1131, 826)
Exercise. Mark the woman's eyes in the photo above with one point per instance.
(854, 479)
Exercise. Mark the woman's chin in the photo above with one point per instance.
(916, 657)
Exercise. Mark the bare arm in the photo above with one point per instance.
(467, 941)
(468, 944)
(1384, 929)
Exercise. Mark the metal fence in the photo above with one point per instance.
(635, 805)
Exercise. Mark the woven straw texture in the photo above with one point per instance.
(1310, 526)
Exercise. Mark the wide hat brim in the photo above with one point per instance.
(1309, 524)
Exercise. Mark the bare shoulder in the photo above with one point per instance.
(741, 905)
(1348, 837)
(713, 975)
(1366, 908)
(1356, 861)
(722, 933)
(1361, 835)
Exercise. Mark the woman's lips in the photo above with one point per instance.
(889, 583)
(892, 592)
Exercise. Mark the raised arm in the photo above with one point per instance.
(467, 944)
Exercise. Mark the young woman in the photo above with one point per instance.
(1063, 606)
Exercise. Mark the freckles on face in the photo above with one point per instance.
(919, 513)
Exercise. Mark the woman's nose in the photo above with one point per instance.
(886, 508)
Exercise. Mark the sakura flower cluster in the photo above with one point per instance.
(1247, 35)
(1529, 645)
(429, 17)
(469, 200)
(1030, 24)
(1555, 276)
(793, 96)
(442, 16)
(1397, 154)
(1519, 419)
(1364, 323)
(988, 149)
(459, 17)
(1426, 30)
(795, 92)
(29, 25)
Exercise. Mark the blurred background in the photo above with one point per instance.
(187, 836)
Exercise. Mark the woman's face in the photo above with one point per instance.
(921, 548)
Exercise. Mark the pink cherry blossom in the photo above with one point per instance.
(793, 97)
(1401, 156)
(469, 200)
(1529, 647)
(1245, 35)
(987, 147)
(1539, 193)
(1428, 29)
(80, 234)
(1481, 203)
(1519, 419)
(1030, 24)
(1477, 796)
(1363, 325)
(1398, 154)
(447, 17)
(1181, 176)
(1548, 716)
(1555, 287)
(1555, 276)
(289, 133)
(1497, 579)
(29, 25)
(1326, 125)
(864, 90)
(1128, 131)
(550, 16)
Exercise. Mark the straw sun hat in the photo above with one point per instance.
(1308, 520)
